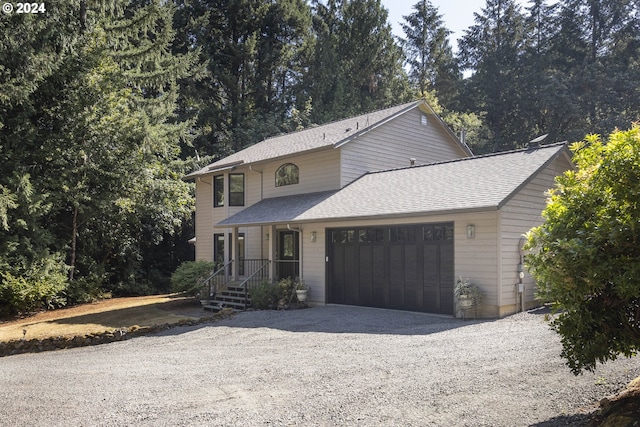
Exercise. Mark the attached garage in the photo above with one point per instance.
(409, 267)
(404, 249)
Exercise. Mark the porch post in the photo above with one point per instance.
(273, 241)
(300, 253)
(234, 253)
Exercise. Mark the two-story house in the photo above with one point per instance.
(385, 209)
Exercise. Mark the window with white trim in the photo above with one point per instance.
(287, 174)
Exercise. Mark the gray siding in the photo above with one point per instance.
(207, 216)
(204, 219)
(518, 216)
(393, 144)
(319, 171)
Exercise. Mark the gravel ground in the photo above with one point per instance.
(323, 366)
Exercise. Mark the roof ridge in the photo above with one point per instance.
(333, 122)
(463, 159)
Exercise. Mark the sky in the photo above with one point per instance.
(456, 14)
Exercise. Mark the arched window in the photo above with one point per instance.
(287, 174)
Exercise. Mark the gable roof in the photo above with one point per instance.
(469, 184)
(330, 135)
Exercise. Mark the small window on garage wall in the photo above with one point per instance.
(287, 174)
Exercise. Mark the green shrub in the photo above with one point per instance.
(189, 277)
(266, 296)
(585, 257)
(41, 286)
(287, 288)
(84, 290)
(89, 282)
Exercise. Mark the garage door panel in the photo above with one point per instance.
(396, 276)
(352, 274)
(380, 291)
(337, 270)
(430, 282)
(447, 278)
(413, 287)
(403, 267)
(366, 275)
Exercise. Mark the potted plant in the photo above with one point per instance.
(301, 290)
(467, 294)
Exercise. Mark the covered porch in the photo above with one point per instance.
(278, 223)
(282, 245)
(236, 276)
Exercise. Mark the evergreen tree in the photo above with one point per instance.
(138, 84)
(428, 53)
(253, 55)
(34, 51)
(89, 140)
(545, 98)
(597, 47)
(491, 48)
(357, 66)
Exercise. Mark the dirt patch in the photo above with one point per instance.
(103, 316)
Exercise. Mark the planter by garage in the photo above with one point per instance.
(301, 294)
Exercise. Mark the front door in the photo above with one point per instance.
(288, 262)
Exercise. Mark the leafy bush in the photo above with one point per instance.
(84, 290)
(287, 288)
(88, 286)
(41, 286)
(266, 296)
(189, 276)
(586, 257)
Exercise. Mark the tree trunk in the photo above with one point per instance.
(74, 238)
(83, 15)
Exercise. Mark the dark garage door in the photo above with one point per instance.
(400, 267)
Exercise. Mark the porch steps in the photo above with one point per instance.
(231, 296)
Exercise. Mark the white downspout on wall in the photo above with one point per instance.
(499, 249)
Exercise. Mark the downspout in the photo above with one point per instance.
(521, 243)
(300, 245)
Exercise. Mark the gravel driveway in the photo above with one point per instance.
(325, 366)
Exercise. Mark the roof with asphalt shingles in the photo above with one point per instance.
(329, 135)
(469, 184)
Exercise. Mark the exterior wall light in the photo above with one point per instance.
(471, 231)
(313, 236)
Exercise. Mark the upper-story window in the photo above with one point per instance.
(287, 174)
(236, 189)
(218, 191)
